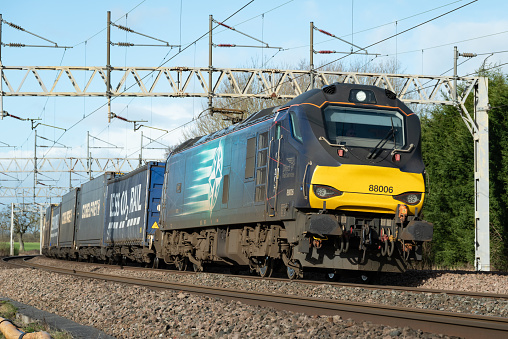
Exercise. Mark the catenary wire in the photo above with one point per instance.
(382, 25)
(102, 30)
(376, 43)
(390, 37)
(162, 64)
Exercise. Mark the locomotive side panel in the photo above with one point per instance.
(218, 183)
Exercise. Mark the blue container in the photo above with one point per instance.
(132, 205)
(90, 211)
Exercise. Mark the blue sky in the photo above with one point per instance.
(481, 27)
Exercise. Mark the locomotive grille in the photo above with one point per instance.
(390, 94)
(329, 89)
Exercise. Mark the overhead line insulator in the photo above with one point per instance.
(16, 117)
(125, 44)
(15, 26)
(121, 118)
(125, 28)
(226, 45)
(325, 32)
(15, 44)
(220, 23)
(468, 55)
(325, 52)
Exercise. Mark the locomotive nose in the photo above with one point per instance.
(364, 188)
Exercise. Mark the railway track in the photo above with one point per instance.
(335, 284)
(454, 324)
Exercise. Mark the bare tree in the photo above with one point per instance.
(24, 222)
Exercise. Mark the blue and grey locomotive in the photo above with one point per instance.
(332, 180)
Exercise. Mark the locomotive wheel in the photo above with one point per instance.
(266, 269)
(181, 264)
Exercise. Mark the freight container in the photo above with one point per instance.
(132, 205)
(46, 228)
(68, 219)
(55, 224)
(90, 216)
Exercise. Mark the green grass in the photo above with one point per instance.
(29, 246)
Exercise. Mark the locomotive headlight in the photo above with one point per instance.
(326, 192)
(409, 198)
(361, 96)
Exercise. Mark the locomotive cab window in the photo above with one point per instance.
(250, 159)
(295, 127)
(364, 127)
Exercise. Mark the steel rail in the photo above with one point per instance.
(472, 294)
(448, 323)
(408, 289)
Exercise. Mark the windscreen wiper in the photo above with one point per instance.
(375, 152)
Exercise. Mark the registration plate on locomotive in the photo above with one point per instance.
(380, 189)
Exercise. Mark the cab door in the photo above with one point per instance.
(262, 152)
(274, 168)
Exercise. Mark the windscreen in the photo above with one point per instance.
(364, 127)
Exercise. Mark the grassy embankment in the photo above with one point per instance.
(29, 248)
(7, 310)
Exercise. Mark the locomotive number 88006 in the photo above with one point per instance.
(331, 180)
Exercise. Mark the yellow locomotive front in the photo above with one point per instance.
(363, 184)
(363, 188)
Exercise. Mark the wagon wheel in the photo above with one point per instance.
(197, 268)
(181, 264)
(291, 273)
(294, 271)
(266, 268)
(332, 275)
(156, 263)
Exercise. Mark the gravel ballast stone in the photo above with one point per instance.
(125, 311)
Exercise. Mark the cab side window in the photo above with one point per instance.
(250, 159)
(295, 127)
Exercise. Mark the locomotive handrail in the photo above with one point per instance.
(334, 145)
(304, 177)
(409, 149)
